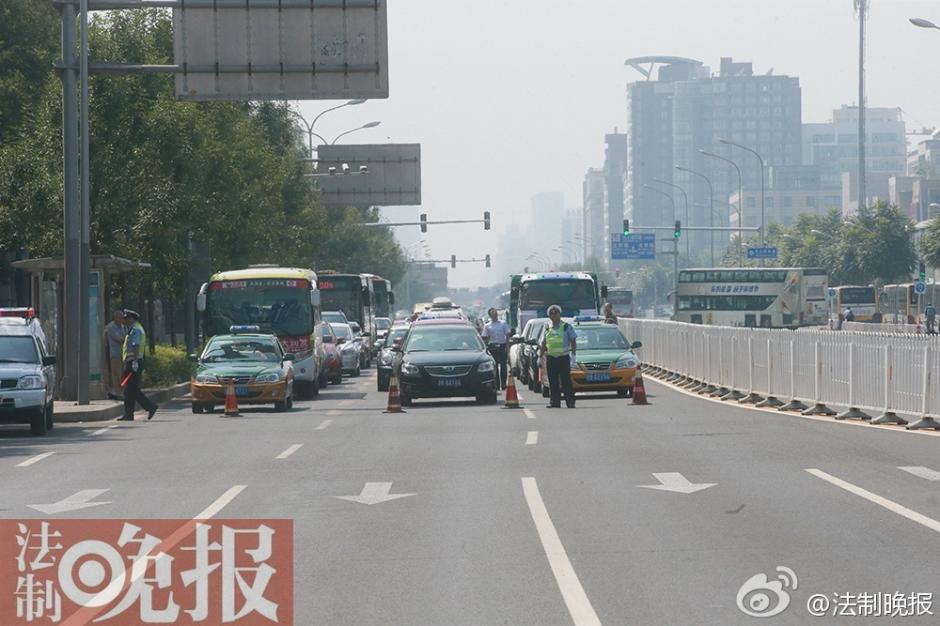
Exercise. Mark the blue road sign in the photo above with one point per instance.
(639, 246)
(768, 252)
(920, 288)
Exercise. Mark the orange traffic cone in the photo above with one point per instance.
(394, 399)
(231, 403)
(639, 390)
(512, 398)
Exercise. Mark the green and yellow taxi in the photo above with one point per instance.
(605, 358)
(256, 364)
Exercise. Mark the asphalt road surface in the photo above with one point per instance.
(608, 513)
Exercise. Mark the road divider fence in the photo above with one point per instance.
(869, 374)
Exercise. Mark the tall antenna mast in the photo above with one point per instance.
(861, 7)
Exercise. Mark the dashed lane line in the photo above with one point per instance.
(892, 506)
(532, 438)
(35, 459)
(292, 449)
(921, 472)
(579, 606)
(529, 413)
(324, 424)
(102, 431)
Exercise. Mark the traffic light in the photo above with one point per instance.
(453, 261)
(424, 222)
(486, 220)
(678, 230)
(626, 228)
(923, 271)
(487, 260)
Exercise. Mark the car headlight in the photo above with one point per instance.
(628, 362)
(30, 382)
(271, 377)
(486, 366)
(409, 370)
(207, 379)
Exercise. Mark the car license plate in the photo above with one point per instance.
(448, 382)
(242, 391)
(598, 377)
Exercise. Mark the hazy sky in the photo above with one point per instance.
(509, 98)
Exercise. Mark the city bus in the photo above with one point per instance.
(759, 297)
(353, 295)
(383, 296)
(860, 299)
(281, 300)
(899, 303)
(530, 295)
(621, 301)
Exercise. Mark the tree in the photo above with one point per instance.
(930, 242)
(875, 246)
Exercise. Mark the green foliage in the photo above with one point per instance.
(930, 242)
(167, 366)
(231, 175)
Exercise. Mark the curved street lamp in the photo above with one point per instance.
(760, 159)
(367, 125)
(922, 23)
(308, 126)
(711, 206)
(685, 196)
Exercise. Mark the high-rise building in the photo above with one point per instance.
(615, 175)
(596, 249)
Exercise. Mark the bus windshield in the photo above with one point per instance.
(568, 294)
(617, 296)
(857, 295)
(342, 295)
(278, 306)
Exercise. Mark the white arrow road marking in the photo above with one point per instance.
(375, 493)
(35, 459)
(294, 448)
(324, 424)
(921, 472)
(532, 438)
(81, 500)
(579, 606)
(529, 413)
(674, 481)
(892, 506)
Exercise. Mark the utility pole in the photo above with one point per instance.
(862, 7)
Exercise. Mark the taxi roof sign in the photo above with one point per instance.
(244, 328)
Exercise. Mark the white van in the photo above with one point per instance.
(27, 372)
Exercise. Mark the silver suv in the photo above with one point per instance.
(27, 372)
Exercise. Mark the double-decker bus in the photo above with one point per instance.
(530, 295)
(761, 297)
(283, 301)
(860, 299)
(899, 303)
(353, 295)
(383, 298)
(621, 301)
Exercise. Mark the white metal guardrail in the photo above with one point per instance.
(868, 374)
(894, 329)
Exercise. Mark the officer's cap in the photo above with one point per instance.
(134, 315)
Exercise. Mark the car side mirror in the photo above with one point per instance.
(396, 348)
(636, 344)
(340, 340)
(289, 357)
(604, 291)
(49, 360)
(201, 300)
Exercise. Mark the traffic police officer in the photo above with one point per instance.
(496, 335)
(132, 354)
(559, 345)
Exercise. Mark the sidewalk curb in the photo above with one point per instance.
(116, 409)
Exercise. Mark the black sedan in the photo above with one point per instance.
(445, 360)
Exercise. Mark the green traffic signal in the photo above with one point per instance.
(626, 228)
(678, 230)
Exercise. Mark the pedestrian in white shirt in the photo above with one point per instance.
(496, 335)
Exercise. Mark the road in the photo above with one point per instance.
(533, 516)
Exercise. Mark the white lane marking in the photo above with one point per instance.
(294, 448)
(79, 500)
(579, 606)
(532, 438)
(102, 431)
(35, 459)
(324, 424)
(334, 412)
(921, 472)
(674, 481)
(219, 504)
(892, 506)
(529, 413)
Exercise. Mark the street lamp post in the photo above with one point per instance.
(309, 126)
(740, 196)
(760, 160)
(711, 205)
(352, 130)
(685, 197)
(922, 23)
(675, 252)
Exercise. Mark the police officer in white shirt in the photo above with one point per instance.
(496, 335)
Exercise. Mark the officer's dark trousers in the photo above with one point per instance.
(559, 377)
(498, 352)
(133, 393)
